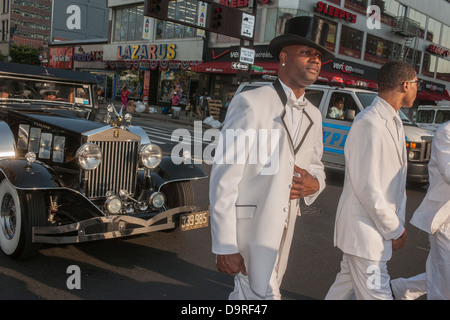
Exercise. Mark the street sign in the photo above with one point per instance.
(247, 56)
(247, 25)
(257, 68)
(239, 66)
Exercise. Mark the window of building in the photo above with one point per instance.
(421, 19)
(378, 50)
(359, 6)
(128, 23)
(429, 65)
(445, 37)
(433, 31)
(351, 42)
(443, 70)
(389, 10)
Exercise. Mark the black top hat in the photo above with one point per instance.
(308, 31)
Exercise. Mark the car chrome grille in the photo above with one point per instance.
(118, 170)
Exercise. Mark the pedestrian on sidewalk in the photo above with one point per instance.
(125, 94)
(371, 212)
(204, 105)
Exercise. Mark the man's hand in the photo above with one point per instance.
(304, 184)
(231, 263)
(400, 242)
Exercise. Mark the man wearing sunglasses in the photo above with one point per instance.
(371, 212)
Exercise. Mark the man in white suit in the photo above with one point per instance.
(254, 202)
(433, 217)
(371, 212)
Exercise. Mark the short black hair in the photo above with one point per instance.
(393, 73)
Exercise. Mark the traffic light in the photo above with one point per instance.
(156, 8)
(216, 16)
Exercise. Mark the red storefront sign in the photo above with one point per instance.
(335, 12)
(61, 58)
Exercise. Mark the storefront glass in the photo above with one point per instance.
(445, 37)
(176, 80)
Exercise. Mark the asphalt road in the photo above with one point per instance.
(180, 266)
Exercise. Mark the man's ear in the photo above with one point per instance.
(283, 56)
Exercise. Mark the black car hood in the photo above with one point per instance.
(65, 120)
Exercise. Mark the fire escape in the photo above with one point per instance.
(409, 30)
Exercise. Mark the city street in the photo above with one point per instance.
(180, 266)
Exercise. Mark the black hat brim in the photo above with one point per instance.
(282, 41)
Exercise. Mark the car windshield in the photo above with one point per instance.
(43, 90)
(366, 99)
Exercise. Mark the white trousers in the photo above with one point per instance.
(361, 279)
(243, 291)
(435, 282)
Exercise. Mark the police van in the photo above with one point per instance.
(431, 117)
(336, 125)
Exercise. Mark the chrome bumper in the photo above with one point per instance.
(116, 226)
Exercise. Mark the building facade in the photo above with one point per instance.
(364, 34)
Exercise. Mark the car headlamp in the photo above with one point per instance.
(151, 156)
(113, 204)
(157, 200)
(89, 156)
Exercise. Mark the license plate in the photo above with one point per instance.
(194, 220)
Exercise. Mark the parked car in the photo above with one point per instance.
(430, 117)
(335, 130)
(67, 178)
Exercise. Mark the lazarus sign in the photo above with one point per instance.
(335, 12)
(147, 52)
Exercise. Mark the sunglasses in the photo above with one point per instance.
(418, 81)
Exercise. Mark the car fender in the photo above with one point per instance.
(24, 175)
(171, 171)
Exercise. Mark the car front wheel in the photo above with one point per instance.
(18, 215)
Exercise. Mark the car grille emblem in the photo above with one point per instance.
(116, 133)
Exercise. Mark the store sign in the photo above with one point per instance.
(334, 12)
(61, 58)
(92, 56)
(438, 50)
(346, 68)
(147, 52)
(240, 3)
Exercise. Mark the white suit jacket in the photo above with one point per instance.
(371, 210)
(250, 198)
(434, 210)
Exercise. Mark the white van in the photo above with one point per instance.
(335, 130)
(431, 117)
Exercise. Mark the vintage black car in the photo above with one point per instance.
(66, 177)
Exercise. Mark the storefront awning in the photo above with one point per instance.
(270, 68)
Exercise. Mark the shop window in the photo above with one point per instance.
(351, 42)
(429, 65)
(342, 107)
(377, 50)
(276, 19)
(181, 10)
(331, 37)
(443, 70)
